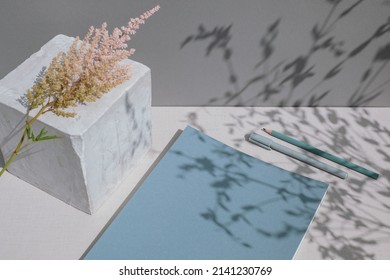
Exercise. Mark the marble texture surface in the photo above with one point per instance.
(97, 148)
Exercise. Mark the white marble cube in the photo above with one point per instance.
(97, 148)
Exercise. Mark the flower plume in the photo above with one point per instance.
(87, 70)
(90, 68)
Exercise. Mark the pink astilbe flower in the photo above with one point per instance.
(90, 68)
(116, 42)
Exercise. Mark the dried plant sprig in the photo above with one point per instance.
(87, 70)
(90, 68)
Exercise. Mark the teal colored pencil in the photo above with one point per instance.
(323, 154)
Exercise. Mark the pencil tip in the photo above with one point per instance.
(269, 131)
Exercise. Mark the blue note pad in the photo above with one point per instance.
(206, 200)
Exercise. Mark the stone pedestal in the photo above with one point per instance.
(97, 148)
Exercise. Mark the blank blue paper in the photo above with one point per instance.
(206, 200)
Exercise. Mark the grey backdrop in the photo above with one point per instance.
(230, 52)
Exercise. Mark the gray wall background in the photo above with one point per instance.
(230, 52)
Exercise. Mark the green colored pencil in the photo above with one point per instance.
(321, 153)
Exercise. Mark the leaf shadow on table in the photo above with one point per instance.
(251, 207)
(352, 222)
(301, 80)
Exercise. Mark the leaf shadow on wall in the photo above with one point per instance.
(352, 223)
(283, 82)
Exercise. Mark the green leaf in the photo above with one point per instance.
(30, 134)
(42, 136)
(50, 137)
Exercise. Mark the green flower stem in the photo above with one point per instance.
(15, 153)
(19, 146)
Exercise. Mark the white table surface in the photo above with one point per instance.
(353, 221)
